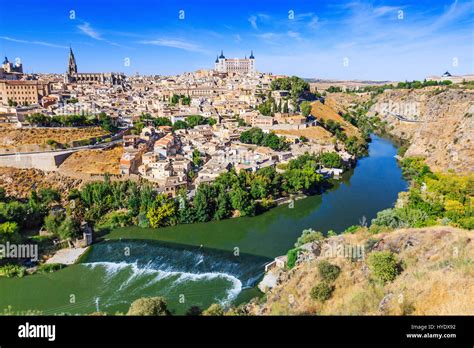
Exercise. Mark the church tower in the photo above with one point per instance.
(72, 67)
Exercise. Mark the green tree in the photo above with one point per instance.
(180, 125)
(307, 236)
(9, 231)
(330, 160)
(204, 203)
(149, 306)
(305, 108)
(240, 200)
(223, 208)
(197, 160)
(161, 214)
(62, 225)
(383, 265)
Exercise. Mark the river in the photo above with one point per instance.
(200, 264)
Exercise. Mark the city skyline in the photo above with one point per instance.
(342, 40)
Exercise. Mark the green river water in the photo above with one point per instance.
(199, 264)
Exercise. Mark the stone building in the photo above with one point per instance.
(235, 65)
(23, 92)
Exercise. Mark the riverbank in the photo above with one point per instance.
(68, 256)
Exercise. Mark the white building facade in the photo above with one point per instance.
(236, 65)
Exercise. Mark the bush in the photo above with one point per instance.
(308, 236)
(383, 265)
(149, 306)
(194, 311)
(214, 309)
(328, 272)
(467, 223)
(11, 270)
(322, 292)
(352, 229)
(292, 257)
(50, 267)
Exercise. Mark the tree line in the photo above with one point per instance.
(101, 120)
(114, 204)
(257, 137)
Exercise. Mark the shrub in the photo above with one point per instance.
(308, 236)
(194, 311)
(292, 257)
(149, 306)
(328, 271)
(352, 229)
(50, 267)
(467, 223)
(322, 292)
(11, 270)
(383, 265)
(214, 309)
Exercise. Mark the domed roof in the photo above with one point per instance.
(251, 55)
(222, 55)
(6, 60)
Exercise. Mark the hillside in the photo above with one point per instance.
(19, 182)
(443, 126)
(329, 112)
(443, 133)
(435, 265)
(93, 162)
(35, 139)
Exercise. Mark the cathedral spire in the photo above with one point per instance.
(72, 67)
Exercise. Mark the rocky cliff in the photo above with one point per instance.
(438, 123)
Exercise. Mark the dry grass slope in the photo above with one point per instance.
(437, 278)
(327, 112)
(93, 161)
(12, 137)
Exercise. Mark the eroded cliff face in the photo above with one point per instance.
(438, 123)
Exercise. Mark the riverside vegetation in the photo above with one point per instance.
(107, 205)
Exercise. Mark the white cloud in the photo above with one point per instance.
(253, 22)
(41, 43)
(173, 43)
(294, 35)
(313, 23)
(86, 28)
(383, 10)
(259, 17)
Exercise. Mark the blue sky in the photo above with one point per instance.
(378, 40)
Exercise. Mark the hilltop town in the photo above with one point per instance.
(173, 131)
